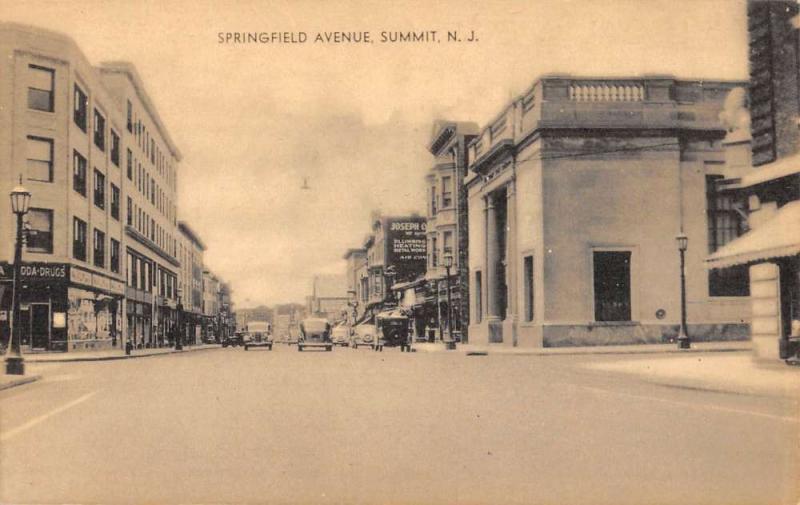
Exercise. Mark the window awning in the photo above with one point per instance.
(776, 238)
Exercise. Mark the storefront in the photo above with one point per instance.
(62, 307)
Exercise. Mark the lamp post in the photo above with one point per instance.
(448, 264)
(179, 323)
(684, 342)
(15, 363)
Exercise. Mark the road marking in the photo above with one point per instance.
(36, 420)
(687, 404)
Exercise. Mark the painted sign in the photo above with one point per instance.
(406, 247)
(37, 272)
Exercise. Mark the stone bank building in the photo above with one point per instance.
(577, 190)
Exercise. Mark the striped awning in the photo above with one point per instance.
(776, 238)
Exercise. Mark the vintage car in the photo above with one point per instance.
(233, 340)
(258, 334)
(340, 335)
(392, 329)
(363, 335)
(315, 332)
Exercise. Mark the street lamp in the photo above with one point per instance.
(684, 342)
(15, 363)
(448, 263)
(179, 323)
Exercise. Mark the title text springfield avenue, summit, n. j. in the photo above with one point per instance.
(346, 37)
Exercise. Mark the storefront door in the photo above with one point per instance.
(40, 325)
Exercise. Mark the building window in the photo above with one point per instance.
(152, 151)
(130, 165)
(478, 297)
(40, 159)
(40, 89)
(78, 239)
(129, 220)
(612, 285)
(79, 173)
(115, 256)
(434, 252)
(433, 201)
(130, 272)
(114, 148)
(99, 130)
(99, 189)
(447, 243)
(447, 192)
(40, 231)
(725, 223)
(527, 265)
(81, 105)
(129, 123)
(99, 248)
(115, 202)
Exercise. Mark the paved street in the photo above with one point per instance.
(354, 426)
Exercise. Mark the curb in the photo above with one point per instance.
(565, 351)
(19, 382)
(115, 356)
(714, 388)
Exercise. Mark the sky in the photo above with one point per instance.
(254, 120)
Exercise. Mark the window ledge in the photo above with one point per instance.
(613, 323)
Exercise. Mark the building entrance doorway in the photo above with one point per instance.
(612, 285)
(39, 325)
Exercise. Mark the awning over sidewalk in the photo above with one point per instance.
(776, 238)
(784, 167)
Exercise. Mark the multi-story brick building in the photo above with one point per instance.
(61, 133)
(577, 191)
(190, 282)
(356, 279)
(447, 227)
(770, 190)
(150, 161)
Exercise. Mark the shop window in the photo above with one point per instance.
(114, 148)
(79, 173)
(40, 231)
(81, 105)
(40, 88)
(726, 221)
(79, 239)
(39, 163)
(99, 244)
(527, 264)
(114, 202)
(99, 189)
(114, 255)
(99, 130)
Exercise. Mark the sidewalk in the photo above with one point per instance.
(111, 354)
(731, 373)
(471, 349)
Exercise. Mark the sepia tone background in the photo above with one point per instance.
(254, 120)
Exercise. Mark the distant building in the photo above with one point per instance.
(577, 191)
(328, 297)
(356, 275)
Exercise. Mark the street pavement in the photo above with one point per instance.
(356, 426)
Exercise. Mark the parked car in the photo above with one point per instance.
(392, 330)
(340, 335)
(363, 334)
(315, 332)
(233, 340)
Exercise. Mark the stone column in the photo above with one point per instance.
(492, 259)
(512, 296)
